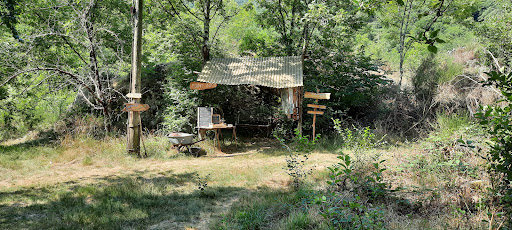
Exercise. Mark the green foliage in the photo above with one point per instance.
(9, 11)
(356, 139)
(180, 111)
(493, 26)
(284, 127)
(350, 211)
(498, 119)
(74, 47)
(268, 209)
(37, 109)
(248, 36)
(450, 149)
(297, 158)
(433, 72)
(448, 125)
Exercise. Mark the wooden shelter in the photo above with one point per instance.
(282, 73)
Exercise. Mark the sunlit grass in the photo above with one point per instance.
(89, 183)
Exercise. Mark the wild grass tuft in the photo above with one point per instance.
(269, 209)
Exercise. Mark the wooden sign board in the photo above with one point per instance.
(202, 85)
(134, 107)
(317, 106)
(317, 95)
(316, 112)
(134, 95)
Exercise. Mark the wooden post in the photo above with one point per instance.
(314, 117)
(133, 130)
(299, 126)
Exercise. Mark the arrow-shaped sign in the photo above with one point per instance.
(134, 107)
(202, 85)
(317, 106)
(317, 95)
(316, 112)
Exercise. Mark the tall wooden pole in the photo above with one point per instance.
(314, 118)
(133, 132)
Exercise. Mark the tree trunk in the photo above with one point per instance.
(133, 132)
(206, 32)
(404, 31)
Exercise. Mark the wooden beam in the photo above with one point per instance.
(316, 112)
(317, 106)
(317, 95)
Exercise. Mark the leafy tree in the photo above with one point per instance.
(498, 119)
(79, 44)
(9, 10)
(203, 12)
(494, 27)
(324, 30)
(414, 21)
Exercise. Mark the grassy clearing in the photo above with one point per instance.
(93, 184)
(438, 183)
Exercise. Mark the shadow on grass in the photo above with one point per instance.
(132, 201)
(45, 139)
(272, 146)
(267, 146)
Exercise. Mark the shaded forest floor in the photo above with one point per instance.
(92, 184)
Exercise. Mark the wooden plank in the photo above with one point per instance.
(317, 106)
(134, 95)
(134, 107)
(317, 95)
(202, 85)
(316, 112)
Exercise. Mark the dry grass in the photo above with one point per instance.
(438, 194)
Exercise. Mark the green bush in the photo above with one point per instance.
(497, 119)
(180, 102)
(349, 210)
(358, 139)
(297, 157)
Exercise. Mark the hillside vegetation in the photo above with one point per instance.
(416, 134)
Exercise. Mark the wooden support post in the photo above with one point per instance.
(299, 126)
(133, 130)
(314, 119)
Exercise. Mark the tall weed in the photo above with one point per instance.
(297, 157)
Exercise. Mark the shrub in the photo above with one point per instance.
(297, 157)
(498, 119)
(351, 192)
(181, 103)
(358, 139)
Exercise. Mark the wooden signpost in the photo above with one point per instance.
(315, 112)
(134, 107)
(317, 95)
(317, 106)
(134, 95)
(202, 85)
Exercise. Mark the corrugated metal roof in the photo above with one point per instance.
(275, 72)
